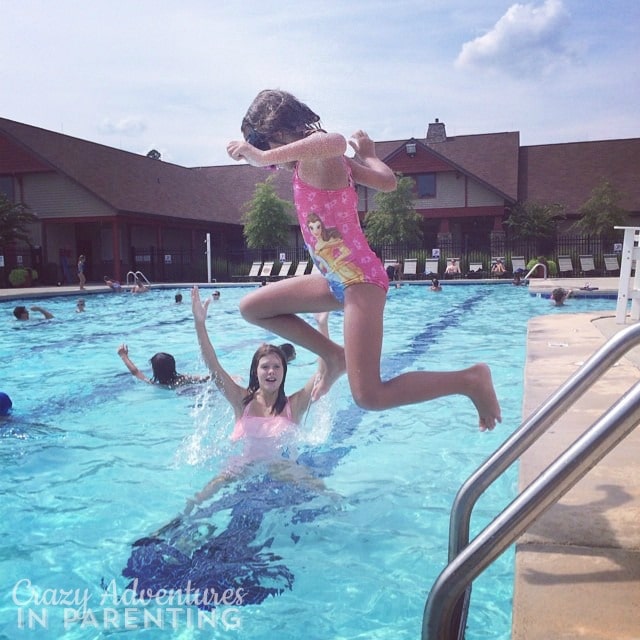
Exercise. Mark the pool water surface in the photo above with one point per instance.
(94, 462)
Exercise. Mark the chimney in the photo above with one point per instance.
(436, 132)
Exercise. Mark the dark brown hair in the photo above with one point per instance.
(274, 112)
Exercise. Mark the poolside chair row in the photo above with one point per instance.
(587, 265)
(260, 270)
(409, 268)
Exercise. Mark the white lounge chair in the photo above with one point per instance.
(410, 267)
(518, 263)
(253, 272)
(587, 265)
(431, 267)
(565, 265)
(267, 267)
(301, 269)
(285, 267)
(611, 262)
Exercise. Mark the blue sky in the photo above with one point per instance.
(178, 76)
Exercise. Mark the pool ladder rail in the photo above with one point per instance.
(446, 609)
(136, 275)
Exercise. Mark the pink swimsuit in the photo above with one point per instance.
(331, 230)
(264, 436)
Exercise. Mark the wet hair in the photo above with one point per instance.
(261, 352)
(18, 312)
(164, 369)
(289, 351)
(5, 404)
(178, 297)
(273, 113)
(558, 293)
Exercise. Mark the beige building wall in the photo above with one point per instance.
(51, 195)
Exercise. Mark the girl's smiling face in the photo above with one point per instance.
(270, 372)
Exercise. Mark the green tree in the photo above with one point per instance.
(14, 221)
(602, 211)
(394, 219)
(267, 221)
(535, 222)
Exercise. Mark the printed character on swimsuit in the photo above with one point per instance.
(331, 252)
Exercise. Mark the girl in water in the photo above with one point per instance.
(280, 130)
(266, 419)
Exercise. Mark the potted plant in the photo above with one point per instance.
(22, 276)
(552, 269)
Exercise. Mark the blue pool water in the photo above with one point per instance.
(94, 461)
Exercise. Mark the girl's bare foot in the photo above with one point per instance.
(483, 395)
(329, 370)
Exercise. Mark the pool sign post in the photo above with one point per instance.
(208, 241)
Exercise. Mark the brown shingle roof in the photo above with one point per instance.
(567, 173)
(126, 181)
(492, 158)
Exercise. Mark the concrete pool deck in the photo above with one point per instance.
(578, 567)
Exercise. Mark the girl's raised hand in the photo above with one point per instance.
(199, 310)
(241, 150)
(362, 144)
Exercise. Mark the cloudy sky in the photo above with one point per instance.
(178, 76)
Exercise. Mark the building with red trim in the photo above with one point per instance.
(126, 211)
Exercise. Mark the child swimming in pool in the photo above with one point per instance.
(163, 366)
(280, 130)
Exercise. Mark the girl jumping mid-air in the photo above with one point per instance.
(280, 130)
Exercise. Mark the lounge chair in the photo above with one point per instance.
(253, 272)
(285, 267)
(611, 262)
(410, 267)
(453, 268)
(475, 270)
(267, 267)
(431, 267)
(587, 266)
(301, 269)
(498, 268)
(392, 268)
(565, 265)
(314, 268)
(518, 263)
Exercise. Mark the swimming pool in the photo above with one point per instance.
(94, 460)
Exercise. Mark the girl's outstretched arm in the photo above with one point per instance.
(232, 391)
(317, 146)
(123, 352)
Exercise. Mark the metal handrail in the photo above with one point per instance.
(535, 266)
(137, 275)
(466, 561)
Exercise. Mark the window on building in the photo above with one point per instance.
(6, 187)
(426, 185)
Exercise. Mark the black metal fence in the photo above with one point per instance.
(170, 265)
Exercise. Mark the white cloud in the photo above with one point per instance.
(527, 39)
(128, 126)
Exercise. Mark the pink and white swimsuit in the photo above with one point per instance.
(264, 436)
(331, 230)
